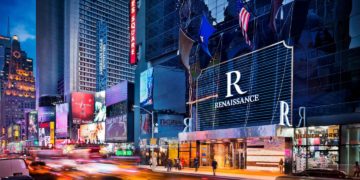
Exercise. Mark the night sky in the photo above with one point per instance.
(22, 14)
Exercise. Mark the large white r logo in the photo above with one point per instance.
(229, 83)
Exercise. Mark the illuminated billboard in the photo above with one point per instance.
(44, 135)
(82, 107)
(146, 87)
(116, 128)
(250, 90)
(132, 32)
(46, 114)
(93, 133)
(33, 126)
(169, 89)
(62, 111)
(117, 93)
(116, 122)
(100, 107)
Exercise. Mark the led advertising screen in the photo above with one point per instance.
(250, 90)
(100, 107)
(46, 114)
(62, 111)
(93, 133)
(44, 135)
(117, 93)
(146, 87)
(116, 122)
(116, 128)
(169, 90)
(82, 107)
(33, 126)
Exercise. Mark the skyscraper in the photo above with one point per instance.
(90, 45)
(18, 86)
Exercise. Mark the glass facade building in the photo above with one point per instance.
(325, 99)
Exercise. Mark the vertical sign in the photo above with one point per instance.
(132, 32)
(52, 132)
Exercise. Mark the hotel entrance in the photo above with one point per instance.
(228, 153)
(232, 149)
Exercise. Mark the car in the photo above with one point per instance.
(320, 174)
(13, 167)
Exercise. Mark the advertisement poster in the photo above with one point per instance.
(145, 122)
(100, 107)
(116, 128)
(46, 114)
(33, 126)
(117, 93)
(146, 87)
(44, 136)
(82, 105)
(62, 111)
(93, 133)
(170, 125)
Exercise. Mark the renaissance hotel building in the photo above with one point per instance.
(265, 81)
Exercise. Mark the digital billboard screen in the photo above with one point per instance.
(116, 122)
(44, 134)
(82, 107)
(170, 89)
(33, 126)
(116, 128)
(46, 114)
(250, 90)
(100, 107)
(93, 133)
(146, 87)
(62, 111)
(117, 93)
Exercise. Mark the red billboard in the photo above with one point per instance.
(132, 32)
(82, 107)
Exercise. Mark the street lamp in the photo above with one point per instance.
(152, 130)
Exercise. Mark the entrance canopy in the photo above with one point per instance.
(242, 132)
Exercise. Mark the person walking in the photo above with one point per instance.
(356, 169)
(196, 164)
(281, 165)
(169, 165)
(214, 165)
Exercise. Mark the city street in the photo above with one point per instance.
(110, 169)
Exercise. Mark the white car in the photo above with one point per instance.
(13, 167)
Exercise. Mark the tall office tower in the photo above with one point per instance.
(18, 91)
(96, 44)
(83, 45)
(49, 48)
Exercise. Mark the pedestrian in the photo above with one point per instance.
(356, 169)
(169, 165)
(281, 165)
(150, 162)
(196, 164)
(214, 165)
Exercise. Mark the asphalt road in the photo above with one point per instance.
(104, 169)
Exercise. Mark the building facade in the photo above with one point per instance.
(75, 37)
(18, 90)
(323, 43)
(292, 94)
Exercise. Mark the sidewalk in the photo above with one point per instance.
(226, 173)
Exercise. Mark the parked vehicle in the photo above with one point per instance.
(13, 167)
(319, 174)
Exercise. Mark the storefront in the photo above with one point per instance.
(316, 147)
(253, 148)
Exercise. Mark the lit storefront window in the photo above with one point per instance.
(316, 147)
